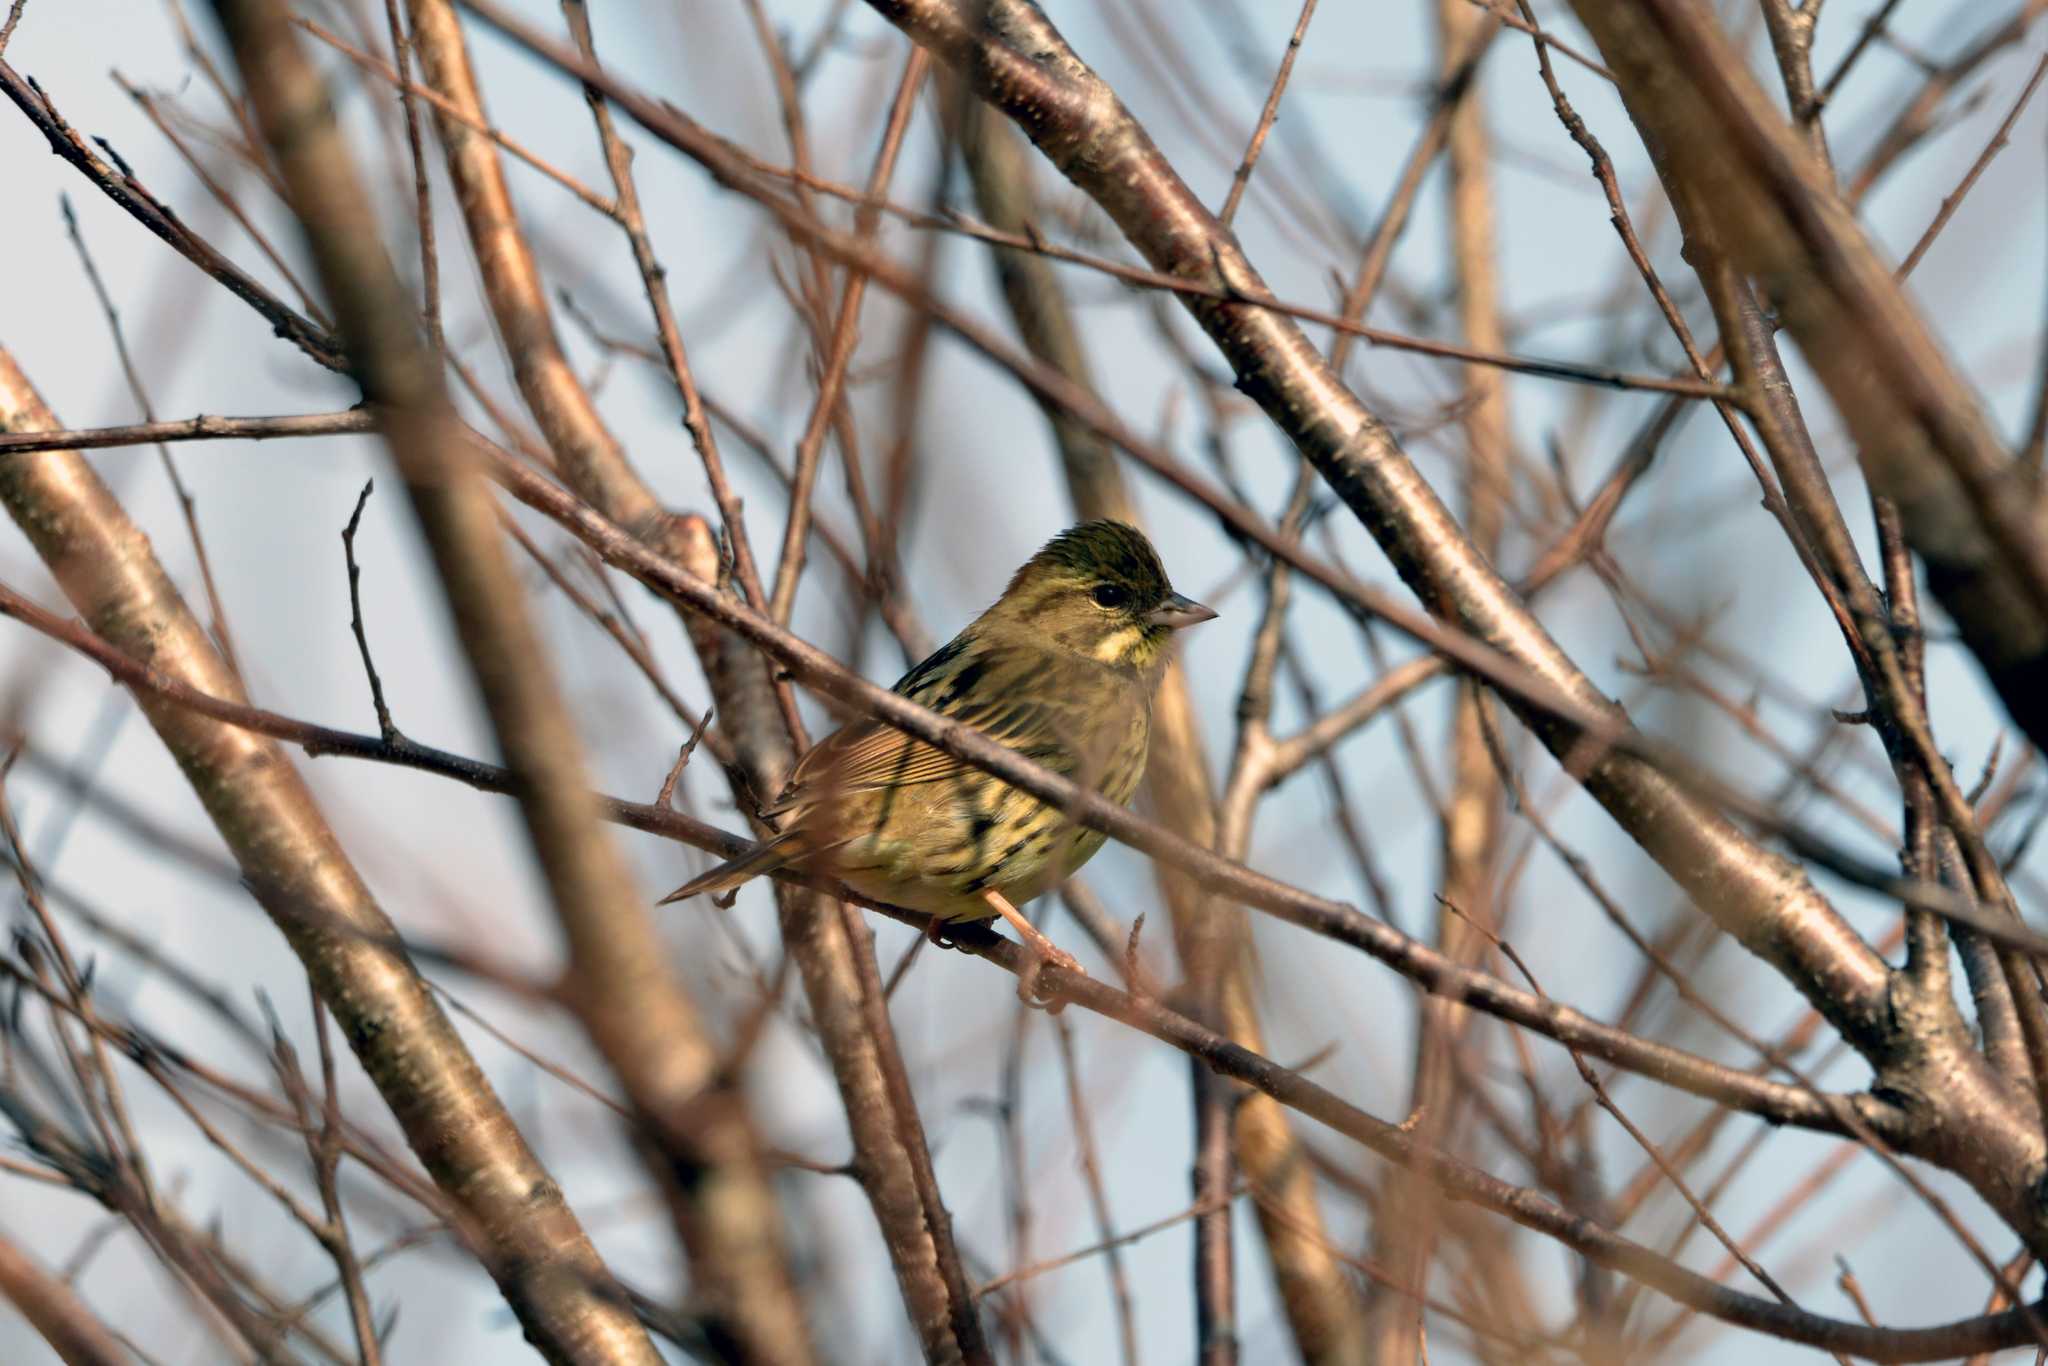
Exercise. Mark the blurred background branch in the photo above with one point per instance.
(814, 318)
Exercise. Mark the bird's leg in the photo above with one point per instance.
(1043, 950)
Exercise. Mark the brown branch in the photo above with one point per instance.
(837, 969)
(1242, 176)
(1290, 1089)
(1954, 199)
(1019, 62)
(291, 859)
(756, 711)
(590, 458)
(153, 214)
(1213, 1181)
(469, 117)
(201, 428)
(622, 984)
(1404, 1231)
(13, 17)
(1448, 98)
(1916, 116)
(222, 195)
(1924, 440)
(1321, 1308)
(422, 187)
(65, 1321)
(1524, 1206)
(1567, 498)
(1098, 1196)
(745, 174)
(186, 504)
(838, 348)
(1430, 970)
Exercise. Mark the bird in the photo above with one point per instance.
(1061, 668)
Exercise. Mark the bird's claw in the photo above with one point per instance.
(1032, 990)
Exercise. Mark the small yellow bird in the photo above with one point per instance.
(1061, 669)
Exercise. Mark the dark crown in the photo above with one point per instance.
(1112, 551)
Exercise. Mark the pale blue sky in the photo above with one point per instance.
(449, 863)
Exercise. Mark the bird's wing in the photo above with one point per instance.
(865, 755)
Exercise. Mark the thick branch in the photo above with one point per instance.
(65, 1321)
(622, 981)
(597, 467)
(1969, 511)
(1019, 62)
(526, 1234)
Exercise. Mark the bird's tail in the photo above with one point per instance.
(765, 857)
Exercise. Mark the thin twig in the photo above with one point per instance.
(1242, 177)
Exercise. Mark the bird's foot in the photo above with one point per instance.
(935, 931)
(1030, 988)
(1044, 953)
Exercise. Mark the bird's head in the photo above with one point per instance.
(1098, 590)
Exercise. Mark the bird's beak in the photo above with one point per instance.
(1178, 611)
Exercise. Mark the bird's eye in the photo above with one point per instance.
(1111, 595)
